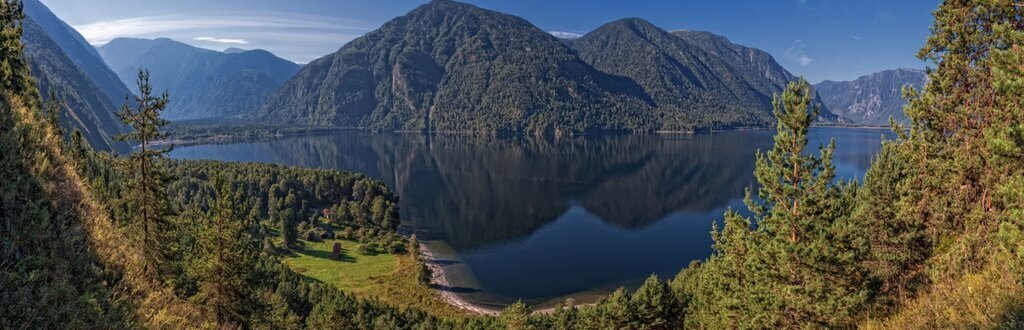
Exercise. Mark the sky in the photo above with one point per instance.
(819, 39)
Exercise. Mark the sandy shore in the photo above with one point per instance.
(439, 279)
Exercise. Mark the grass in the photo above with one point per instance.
(354, 273)
(386, 277)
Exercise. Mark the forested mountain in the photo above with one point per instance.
(449, 66)
(695, 80)
(205, 83)
(79, 51)
(87, 109)
(758, 68)
(871, 99)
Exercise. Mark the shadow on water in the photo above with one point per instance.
(442, 262)
(454, 289)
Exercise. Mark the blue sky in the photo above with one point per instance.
(820, 39)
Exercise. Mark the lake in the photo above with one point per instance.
(542, 219)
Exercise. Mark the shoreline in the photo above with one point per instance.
(438, 278)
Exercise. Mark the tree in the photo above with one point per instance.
(423, 273)
(516, 316)
(655, 305)
(897, 241)
(229, 257)
(287, 228)
(147, 201)
(14, 69)
(801, 223)
(798, 266)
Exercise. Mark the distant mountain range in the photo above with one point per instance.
(448, 66)
(871, 99)
(202, 83)
(63, 63)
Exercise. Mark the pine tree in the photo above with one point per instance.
(810, 271)
(655, 305)
(146, 195)
(798, 267)
(516, 316)
(897, 241)
(229, 257)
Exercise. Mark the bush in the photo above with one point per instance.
(311, 235)
(396, 247)
(369, 248)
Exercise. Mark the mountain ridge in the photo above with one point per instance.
(433, 69)
(203, 83)
(873, 98)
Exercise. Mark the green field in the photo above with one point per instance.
(354, 272)
(386, 277)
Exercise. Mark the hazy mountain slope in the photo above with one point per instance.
(79, 51)
(88, 109)
(871, 99)
(448, 66)
(202, 83)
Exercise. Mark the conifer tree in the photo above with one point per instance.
(804, 254)
(516, 316)
(146, 196)
(654, 305)
(228, 258)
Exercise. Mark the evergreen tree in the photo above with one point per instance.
(146, 196)
(897, 241)
(799, 266)
(655, 305)
(229, 258)
(516, 316)
(813, 278)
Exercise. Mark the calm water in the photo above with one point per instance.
(541, 219)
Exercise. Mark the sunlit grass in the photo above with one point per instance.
(386, 277)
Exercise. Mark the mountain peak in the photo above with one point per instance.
(233, 50)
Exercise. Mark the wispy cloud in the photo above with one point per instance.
(221, 40)
(289, 35)
(798, 54)
(565, 35)
(103, 31)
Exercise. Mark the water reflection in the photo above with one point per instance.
(542, 218)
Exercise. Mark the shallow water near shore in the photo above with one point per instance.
(542, 219)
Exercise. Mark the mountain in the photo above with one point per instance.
(202, 83)
(697, 79)
(233, 50)
(757, 67)
(79, 51)
(871, 99)
(88, 109)
(688, 84)
(448, 66)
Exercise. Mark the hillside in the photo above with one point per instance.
(871, 99)
(88, 109)
(203, 83)
(79, 51)
(757, 67)
(448, 66)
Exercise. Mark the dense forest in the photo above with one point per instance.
(932, 238)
